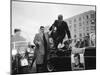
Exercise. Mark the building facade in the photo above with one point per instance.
(82, 25)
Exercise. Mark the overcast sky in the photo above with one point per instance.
(29, 16)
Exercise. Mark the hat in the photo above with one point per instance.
(16, 30)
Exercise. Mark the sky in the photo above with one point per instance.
(29, 16)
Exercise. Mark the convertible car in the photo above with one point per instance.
(63, 60)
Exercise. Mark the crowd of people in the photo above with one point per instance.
(57, 33)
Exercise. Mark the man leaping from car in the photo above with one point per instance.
(59, 30)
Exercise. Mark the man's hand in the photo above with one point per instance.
(49, 32)
(37, 42)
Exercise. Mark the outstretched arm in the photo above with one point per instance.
(53, 25)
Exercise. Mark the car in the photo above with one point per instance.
(62, 60)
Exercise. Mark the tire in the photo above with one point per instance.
(50, 66)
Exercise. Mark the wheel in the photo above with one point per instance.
(50, 66)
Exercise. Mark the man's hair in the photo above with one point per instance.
(77, 55)
(41, 27)
(60, 16)
(16, 30)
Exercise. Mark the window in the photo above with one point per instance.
(80, 24)
(84, 34)
(87, 28)
(87, 16)
(83, 17)
(75, 20)
(92, 21)
(75, 41)
(83, 27)
(92, 27)
(70, 26)
(92, 15)
(80, 35)
(79, 18)
(75, 36)
(87, 22)
(75, 25)
(70, 21)
(75, 30)
(83, 23)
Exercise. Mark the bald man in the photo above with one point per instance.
(59, 30)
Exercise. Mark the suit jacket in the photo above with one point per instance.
(62, 28)
(40, 51)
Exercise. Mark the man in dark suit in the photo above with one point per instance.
(41, 42)
(59, 30)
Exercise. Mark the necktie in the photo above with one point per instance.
(45, 49)
(44, 39)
